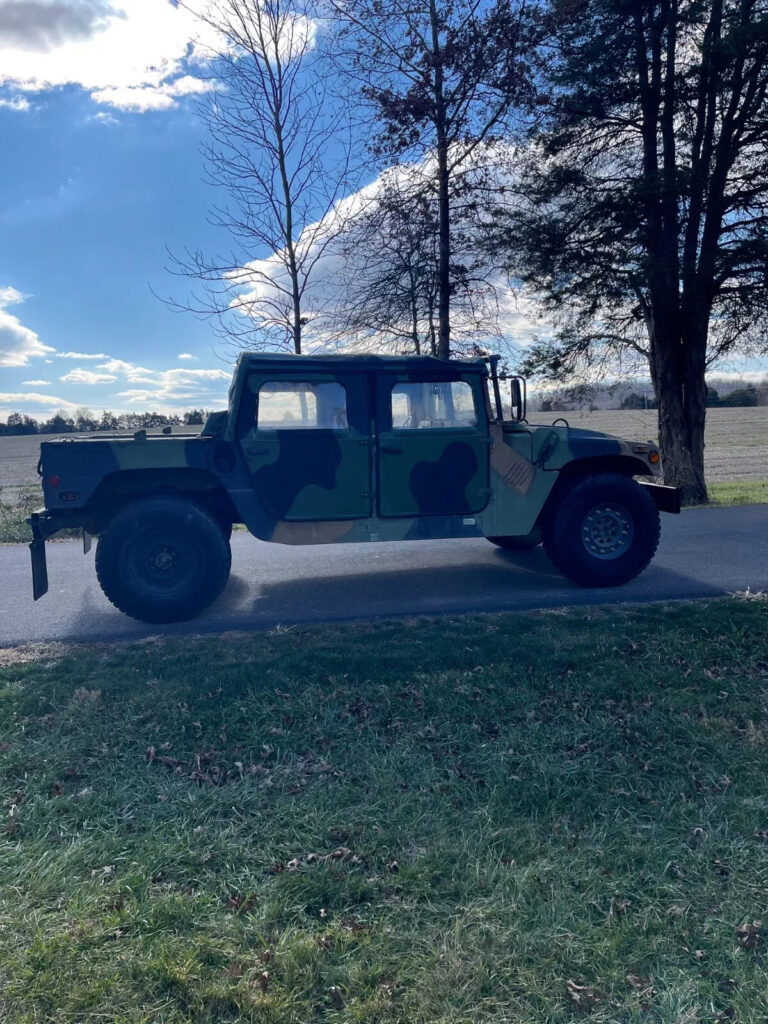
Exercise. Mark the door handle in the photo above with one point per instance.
(391, 449)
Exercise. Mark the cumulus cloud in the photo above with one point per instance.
(35, 383)
(133, 54)
(131, 371)
(38, 26)
(159, 97)
(179, 386)
(185, 355)
(18, 103)
(81, 355)
(30, 400)
(87, 377)
(18, 344)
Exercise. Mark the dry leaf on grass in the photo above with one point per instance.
(584, 996)
(749, 934)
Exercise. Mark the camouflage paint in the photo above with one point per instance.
(318, 486)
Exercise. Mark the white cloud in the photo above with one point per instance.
(18, 103)
(32, 398)
(133, 54)
(180, 386)
(87, 377)
(143, 98)
(81, 355)
(185, 355)
(18, 344)
(35, 383)
(131, 371)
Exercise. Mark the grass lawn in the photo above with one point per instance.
(739, 492)
(515, 818)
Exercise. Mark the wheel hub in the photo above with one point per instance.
(164, 561)
(607, 531)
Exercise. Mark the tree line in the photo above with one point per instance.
(590, 398)
(608, 160)
(83, 421)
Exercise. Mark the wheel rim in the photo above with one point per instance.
(161, 564)
(607, 531)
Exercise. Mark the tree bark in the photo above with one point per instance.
(443, 202)
(678, 380)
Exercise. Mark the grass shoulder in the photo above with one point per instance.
(739, 492)
(484, 818)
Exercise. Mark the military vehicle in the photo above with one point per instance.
(346, 449)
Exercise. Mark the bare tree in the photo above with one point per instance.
(441, 75)
(391, 272)
(279, 147)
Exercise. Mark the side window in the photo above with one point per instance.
(433, 405)
(300, 405)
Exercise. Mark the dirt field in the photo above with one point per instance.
(737, 444)
(18, 460)
(736, 439)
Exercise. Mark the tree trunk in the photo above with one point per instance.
(681, 392)
(443, 202)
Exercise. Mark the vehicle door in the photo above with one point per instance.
(306, 440)
(433, 447)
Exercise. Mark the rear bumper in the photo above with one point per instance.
(44, 523)
(667, 499)
(38, 523)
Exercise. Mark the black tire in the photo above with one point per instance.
(162, 559)
(522, 543)
(226, 528)
(603, 530)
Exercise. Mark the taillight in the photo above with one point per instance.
(54, 480)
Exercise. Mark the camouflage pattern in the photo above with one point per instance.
(352, 475)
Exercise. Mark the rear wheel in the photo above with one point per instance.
(603, 531)
(162, 559)
(521, 543)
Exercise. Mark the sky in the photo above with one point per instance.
(101, 177)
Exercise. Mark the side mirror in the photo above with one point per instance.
(519, 398)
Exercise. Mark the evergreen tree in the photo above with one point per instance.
(644, 214)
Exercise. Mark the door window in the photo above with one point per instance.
(300, 405)
(433, 405)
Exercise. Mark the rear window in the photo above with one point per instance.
(301, 405)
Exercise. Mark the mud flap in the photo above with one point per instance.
(39, 568)
(86, 542)
(667, 499)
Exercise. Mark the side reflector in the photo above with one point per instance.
(54, 480)
(653, 457)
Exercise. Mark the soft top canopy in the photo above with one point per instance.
(359, 362)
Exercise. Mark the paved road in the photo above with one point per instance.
(703, 552)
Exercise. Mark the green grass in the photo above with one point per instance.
(13, 515)
(512, 818)
(739, 492)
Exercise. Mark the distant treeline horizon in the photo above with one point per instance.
(83, 421)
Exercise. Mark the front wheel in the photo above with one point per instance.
(603, 531)
(162, 559)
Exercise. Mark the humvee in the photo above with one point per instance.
(345, 449)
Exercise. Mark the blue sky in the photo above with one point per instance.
(101, 171)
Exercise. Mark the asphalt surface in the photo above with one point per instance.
(703, 553)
